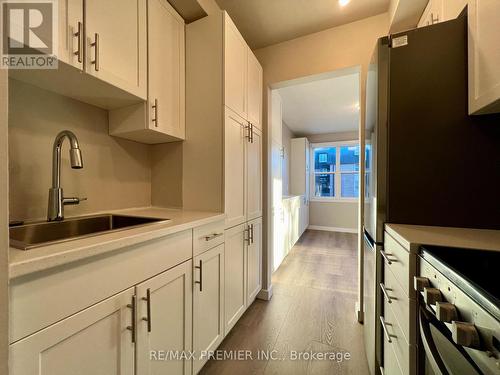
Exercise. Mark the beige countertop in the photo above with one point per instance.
(412, 236)
(23, 262)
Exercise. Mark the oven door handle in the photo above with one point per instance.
(438, 367)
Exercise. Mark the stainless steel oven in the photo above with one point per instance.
(458, 317)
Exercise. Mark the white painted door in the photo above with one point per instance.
(254, 260)
(277, 205)
(235, 142)
(254, 90)
(164, 321)
(235, 68)
(71, 34)
(484, 56)
(276, 118)
(94, 341)
(166, 69)
(120, 55)
(254, 175)
(235, 275)
(208, 304)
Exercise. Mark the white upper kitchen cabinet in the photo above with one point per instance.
(484, 56)
(116, 43)
(162, 117)
(235, 288)
(254, 90)
(236, 133)
(254, 174)
(71, 33)
(97, 341)
(235, 68)
(164, 321)
(441, 10)
(208, 304)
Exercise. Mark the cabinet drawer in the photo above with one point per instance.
(404, 308)
(207, 237)
(401, 263)
(391, 365)
(405, 353)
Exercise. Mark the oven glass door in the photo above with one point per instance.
(442, 355)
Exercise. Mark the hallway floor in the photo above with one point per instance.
(312, 309)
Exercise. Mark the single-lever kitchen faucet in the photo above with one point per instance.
(56, 199)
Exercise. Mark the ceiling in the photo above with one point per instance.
(323, 106)
(266, 22)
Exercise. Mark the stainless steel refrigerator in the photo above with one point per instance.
(427, 161)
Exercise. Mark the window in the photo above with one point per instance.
(336, 171)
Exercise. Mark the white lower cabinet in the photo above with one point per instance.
(235, 275)
(208, 304)
(164, 321)
(94, 341)
(254, 260)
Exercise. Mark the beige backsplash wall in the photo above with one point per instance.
(116, 173)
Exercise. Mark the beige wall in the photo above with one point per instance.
(333, 137)
(116, 173)
(340, 47)
(334, 215)
(286, 136)
(4, 219)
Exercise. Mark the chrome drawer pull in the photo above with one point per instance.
(386, 257)
(148, 307)
(386, 295)
(386, 332)
(132, 326)
(213, 236)
(200, 267)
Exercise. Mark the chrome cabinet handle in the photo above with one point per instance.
(247, 233)
(251, 233)
(251, 133)
(132, 326)
(148, 308)
(96, 58)
(155, 107)
(213, 236)
(200, 267)
(79, 35)
(386, 257)
(248, 128)
(386, 332)
(434, 20)
(386, 295)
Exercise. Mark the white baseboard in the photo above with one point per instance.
(265, 294)
(333, 229)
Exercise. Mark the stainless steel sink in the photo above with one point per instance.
(34, 235)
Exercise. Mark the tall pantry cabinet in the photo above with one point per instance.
(222, 153)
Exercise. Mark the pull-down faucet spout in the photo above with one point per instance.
(56, 198)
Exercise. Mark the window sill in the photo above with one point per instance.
(334, 200)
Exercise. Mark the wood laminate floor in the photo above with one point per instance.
(312, 309)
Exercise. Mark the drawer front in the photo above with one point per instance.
(403, 308)
(391, 365)
(401, 263)
(207, 237)
(405, 353)
(63, 291)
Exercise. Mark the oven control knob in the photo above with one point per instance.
(432, 295)
(446, 312)
(419, 283)
(465, 334)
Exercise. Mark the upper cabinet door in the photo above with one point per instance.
(254, 175)
(166, 69)
(116, 43)
(235, 68)
(254, 90)
(235, 140)
(484, 56)
(164, 320)
(94, 341)
(71, 32)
